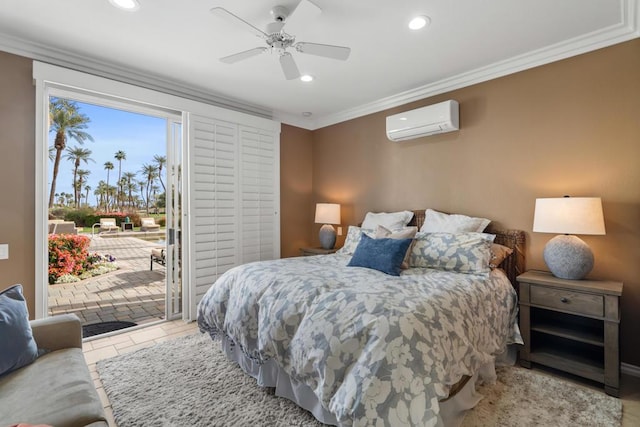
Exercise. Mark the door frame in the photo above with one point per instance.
(44, 90)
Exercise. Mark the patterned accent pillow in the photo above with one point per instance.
(438, 222)
(384, 255)
(405, 233)
(498, 254)
(352, 239)
(461, 252)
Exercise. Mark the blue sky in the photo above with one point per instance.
(140, 136)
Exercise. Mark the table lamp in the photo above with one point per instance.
(327, 213)
(566, 255)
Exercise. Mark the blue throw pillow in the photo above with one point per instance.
(18, 346)
(385, 255)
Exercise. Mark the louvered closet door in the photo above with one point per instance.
(260, 194)
(214, 178)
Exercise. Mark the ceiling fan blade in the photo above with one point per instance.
(304, 14)
(326, 50)
(237, 21)
(231, 59)
(289, 67)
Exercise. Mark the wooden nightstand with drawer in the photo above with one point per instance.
(572, 325)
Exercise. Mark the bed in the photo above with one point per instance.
(355, 346)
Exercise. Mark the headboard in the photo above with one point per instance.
(514, 265)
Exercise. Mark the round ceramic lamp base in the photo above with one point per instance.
(327, 236)
(568, 257)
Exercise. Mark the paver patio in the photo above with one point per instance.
(132, 293)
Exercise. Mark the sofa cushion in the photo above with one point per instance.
(15, 330)
(56, 390)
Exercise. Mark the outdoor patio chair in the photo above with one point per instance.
(63, 227)
(149, 224)
(157, 255)
(108, 225)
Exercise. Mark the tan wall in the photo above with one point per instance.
(571, 127)
(17, 180)
(296, 192)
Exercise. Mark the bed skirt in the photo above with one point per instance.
(269, 374)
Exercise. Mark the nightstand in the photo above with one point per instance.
(317, 251)
(572, 325)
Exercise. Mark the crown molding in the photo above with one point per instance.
(67, 59)
(626, 29)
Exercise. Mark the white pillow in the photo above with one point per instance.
(438, 222)
(392, 221)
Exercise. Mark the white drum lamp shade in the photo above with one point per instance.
(327, 213)
(568, 256)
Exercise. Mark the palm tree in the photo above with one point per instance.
(82, 175)
(120, 156)
(76, 155)
(87, 188)
(150, 172)
(160, 162)
(129, 177)
(108, 166)
(100, 191)
(67, 123)
(141, 184)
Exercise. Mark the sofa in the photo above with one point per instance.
(56, 389)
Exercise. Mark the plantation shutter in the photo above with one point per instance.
(214, 178)
(259, 194)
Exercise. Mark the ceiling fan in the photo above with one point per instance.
(279, 41)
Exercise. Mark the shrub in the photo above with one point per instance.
(70, 261)
(83, 217)
(119, 216)
(67, 255)
(134, 217)
(162, 221)
(59, 212)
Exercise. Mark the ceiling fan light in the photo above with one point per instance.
(419, 22)
(130, 5)
(306, 78)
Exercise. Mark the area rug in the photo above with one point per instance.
(104, 327)
(189, 382)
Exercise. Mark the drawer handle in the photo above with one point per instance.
(564, 300)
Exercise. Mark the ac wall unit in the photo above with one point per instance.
(425, 121)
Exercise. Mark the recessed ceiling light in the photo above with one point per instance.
(306, 78)
(130, 5)
(419, 22)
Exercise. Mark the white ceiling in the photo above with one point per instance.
(177, 44)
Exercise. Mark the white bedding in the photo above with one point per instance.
(374, 349)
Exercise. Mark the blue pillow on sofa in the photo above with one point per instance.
(18, 346)
(385, 255)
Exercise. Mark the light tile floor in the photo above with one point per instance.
(132, 293)
(103, 348)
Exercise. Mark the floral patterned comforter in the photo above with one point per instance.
(375, 349)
